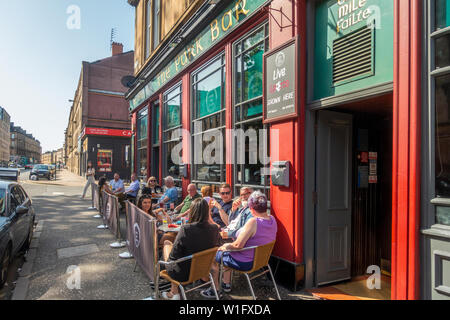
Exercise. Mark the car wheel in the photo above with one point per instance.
(4, 265)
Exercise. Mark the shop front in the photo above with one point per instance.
(317, 104)
(109, 150)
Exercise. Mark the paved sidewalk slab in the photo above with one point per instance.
(77, 251)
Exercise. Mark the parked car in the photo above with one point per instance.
(16, 224)
(40, 171)
(9, 174)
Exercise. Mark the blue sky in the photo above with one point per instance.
(40, 58)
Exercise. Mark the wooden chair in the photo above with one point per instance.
(260, 261)
(201, 264)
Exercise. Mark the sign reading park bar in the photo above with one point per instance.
(236, 13)
(281, 79)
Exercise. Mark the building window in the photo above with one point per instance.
(142, 130)
(148, 28)
(156, 23)
(172, 138)
(442, 14)
(155, 140)
(208, 120)
(248, 90)
(440, 106)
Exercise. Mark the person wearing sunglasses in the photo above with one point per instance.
(239, 214)
(152, 189)
(221, 209)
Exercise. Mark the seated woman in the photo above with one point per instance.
(152, 188)
(145, 204)
(207, 193)
(197, 236)
(258, 231)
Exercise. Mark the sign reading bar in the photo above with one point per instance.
(281, 75)
(236, 13)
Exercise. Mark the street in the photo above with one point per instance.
(66, 239)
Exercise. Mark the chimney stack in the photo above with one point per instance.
(117, 48)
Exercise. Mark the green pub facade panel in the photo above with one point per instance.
(354, 44)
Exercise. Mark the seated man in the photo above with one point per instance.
(184, 208)
(170, 196)
(116, 185)
(132, 191)
(222, 208)
(259, 230)
(240, 214)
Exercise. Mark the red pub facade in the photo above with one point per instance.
(357, 136)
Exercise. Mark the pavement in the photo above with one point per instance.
(71, 259)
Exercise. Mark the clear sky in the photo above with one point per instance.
(40, 57)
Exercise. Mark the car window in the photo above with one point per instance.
(21, 194)
(14, 200)
(2, 202)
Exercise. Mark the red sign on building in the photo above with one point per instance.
(107, 132)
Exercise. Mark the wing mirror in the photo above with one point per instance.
(22, 210)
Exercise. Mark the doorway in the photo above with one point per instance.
(354, 192)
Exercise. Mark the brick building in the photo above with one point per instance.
(4, 137)
(25, 148)
(99, 127)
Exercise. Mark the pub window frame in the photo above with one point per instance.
(156, 144)
(434, 201)
(142, 141)
(195, 117)
(167, 132)
(240, 123)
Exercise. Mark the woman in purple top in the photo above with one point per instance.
(258, 231)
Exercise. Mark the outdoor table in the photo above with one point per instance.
(165, 228)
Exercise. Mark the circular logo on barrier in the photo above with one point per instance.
(280, 59)
(137, 235)
(108, 211)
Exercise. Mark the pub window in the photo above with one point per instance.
(172, 105)
(208, 122)
(442, 14)
(248, 90)
(142, 129)
(440, 104)
(155, 140)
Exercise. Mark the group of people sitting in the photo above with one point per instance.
(226, 223)
(230, 224)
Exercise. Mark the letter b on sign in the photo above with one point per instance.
(374, 281)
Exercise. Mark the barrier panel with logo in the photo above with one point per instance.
(142, 239)
(111, 213)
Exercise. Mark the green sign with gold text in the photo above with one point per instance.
(220, 27)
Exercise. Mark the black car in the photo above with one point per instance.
(40, 171)
(16, 224)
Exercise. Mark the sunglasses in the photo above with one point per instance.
(225, 193)
(152, 180)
